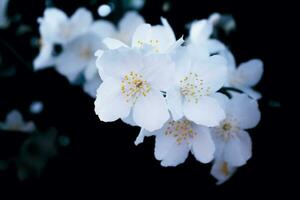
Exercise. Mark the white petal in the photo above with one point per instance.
(200, 31)
(103, 28)
(113, 43)
(119, 62)
(203, 146)
(214, 73)
(175, 45)
(50, 24)
(175, 102)
(222, 99)
(143, 133)
(45, 58)
(250, 72)
(81, 20)
(158, 71)
(129, 120)
(222, 171)
(244, 110)
(150, 111)
(206, 112)
(169, 151)
(143, 33)
(238, 149)
(214, 46)
(91, 70)
(110, 105)
(128, 24)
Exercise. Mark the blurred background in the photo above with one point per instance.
(74, 153)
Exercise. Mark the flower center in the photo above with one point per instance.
(182, 130)
(224, 168)
(133, 85)
(192, 87)
(153, 43)
(228, 128)
(86, 53)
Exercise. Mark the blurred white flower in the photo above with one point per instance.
(57, 27)
(245, 76)
(78, 55)
(14, 122)
(134, 81)
(198, 77)
(176, 139)
(3, 18)
(200, 34)
(233, 143)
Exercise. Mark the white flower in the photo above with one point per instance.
(3, 18)
(77, 55)
(176, 139)
(200, 33)
(57, 27)
(233, 143)
(222, 171)
(245, 76)
(159, 38)
(14, 122)
(197, 79)
(134, 81)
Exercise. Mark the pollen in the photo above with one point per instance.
(152, 42)
(181, 130)
(133, 86)
(192, 87)
(224, 169)
(228, 128)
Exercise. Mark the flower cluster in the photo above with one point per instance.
(189, 93)
(172, 89)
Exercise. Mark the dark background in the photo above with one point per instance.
(102, 159)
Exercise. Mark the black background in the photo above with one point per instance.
(102, 159)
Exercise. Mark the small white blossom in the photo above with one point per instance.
(134, 81)
(176, 139)
(233, 143)
(198, 77)
(57, 27)
(78, 55)
(245, 76)
(14, 122)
